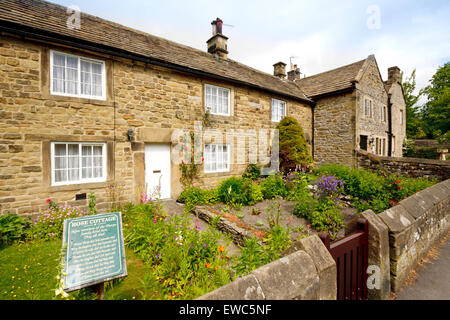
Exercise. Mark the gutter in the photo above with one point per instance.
(38, 34)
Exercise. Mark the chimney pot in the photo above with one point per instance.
(394, 74)
(294, 74)
(217, 44)
(279, 70)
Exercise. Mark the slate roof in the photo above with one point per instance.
(330, 81)
(37, 17)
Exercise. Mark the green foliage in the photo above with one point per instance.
(92, 204)
(413, 115)
(189, 167)
(254, 255)
(296, 184)
(12, 228)
(49, 224)
(194, 196)
(238, 191)
(253, 172)
(294, 149)
(273, 186)
(373, 191)
(186, 262)
(436, 112)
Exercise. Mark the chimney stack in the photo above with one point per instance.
(217, 44)
(279, 70)
(394, 75)
(294, 74)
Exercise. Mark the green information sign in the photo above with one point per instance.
(94, 250)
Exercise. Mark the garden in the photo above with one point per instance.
(170, 256)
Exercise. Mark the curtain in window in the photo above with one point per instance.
(278, 110)
(216, 157)
(217, 99)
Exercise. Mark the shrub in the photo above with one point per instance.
(252, 192)
(49, 224)
(294, 149)
(253, 171)
(231, 191)
(12, 228)
(194, 196)
(273, 186)
(296, 184)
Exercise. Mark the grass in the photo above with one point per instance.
(28, 272)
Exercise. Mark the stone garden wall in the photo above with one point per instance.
(413, 167)
(309, 273)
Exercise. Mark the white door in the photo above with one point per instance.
(157, 170)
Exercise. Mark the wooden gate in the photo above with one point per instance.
(351, 256)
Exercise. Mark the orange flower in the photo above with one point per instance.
(207, 265)
(221, 249)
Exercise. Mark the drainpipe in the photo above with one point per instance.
(389, 133)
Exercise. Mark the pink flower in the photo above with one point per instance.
(48, 200)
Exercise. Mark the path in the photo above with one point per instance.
(433, 280)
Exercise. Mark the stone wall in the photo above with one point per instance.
(309, 273)
(152, 101)
(413, 167)
(334, 129)
(414, 225)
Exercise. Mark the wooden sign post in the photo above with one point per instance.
(95, 251)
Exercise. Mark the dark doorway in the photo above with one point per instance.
(363, 142)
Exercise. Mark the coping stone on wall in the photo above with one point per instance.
(396, 218)
(244, 288)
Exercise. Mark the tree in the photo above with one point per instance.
(413, 115)
(294, 149)
(436, 112)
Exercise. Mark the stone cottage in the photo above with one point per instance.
(88, 105)
(86, 108)
(354, 110)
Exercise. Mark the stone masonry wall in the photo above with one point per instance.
(334, 130)
(398, 127)
(309, 273)
(413, 167)
(415, 224)
(371, 86)
(150, 100)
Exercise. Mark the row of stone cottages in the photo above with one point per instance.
(86, 108)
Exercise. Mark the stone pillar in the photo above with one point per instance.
(379, 285)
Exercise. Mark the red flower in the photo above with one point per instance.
(48, 200)
(398, 181)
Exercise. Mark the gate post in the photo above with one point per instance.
(325, 237)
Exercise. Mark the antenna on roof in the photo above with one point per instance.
(228, 25)
(290, 60)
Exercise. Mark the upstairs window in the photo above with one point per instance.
(368, 108)
(401, 116)
(383, 114)
(278, 110)
(77, 76)
(217, 100)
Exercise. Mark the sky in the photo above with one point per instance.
(316, 35)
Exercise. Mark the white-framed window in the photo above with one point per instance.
(368, 108)
(401, 116)
(217, 100)
(75, 162)
(77, 76)
(278, 110)
(217, 158)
